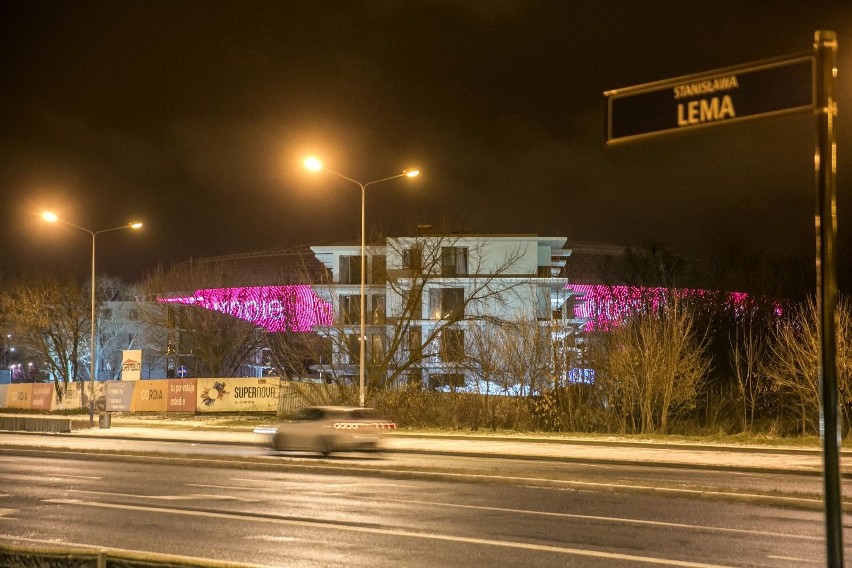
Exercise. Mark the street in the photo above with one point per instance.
(266, 514)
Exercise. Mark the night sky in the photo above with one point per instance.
(193, 116)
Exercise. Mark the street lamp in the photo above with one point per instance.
(51, 217)
(315, 165)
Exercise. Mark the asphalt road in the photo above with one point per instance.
(273, 516)
(627, 477)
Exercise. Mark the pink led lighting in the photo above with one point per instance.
(604, 306)
(274, 308)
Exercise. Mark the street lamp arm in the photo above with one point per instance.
(360, 184)
(64, 222)
(128, 226)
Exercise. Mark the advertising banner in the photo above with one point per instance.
(181, 396)
(131, 365)
(72, 398)
(42, 397)
(150, 396)
(19, 395)
(238, 395)
(119, 396)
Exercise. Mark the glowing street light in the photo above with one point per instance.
(51, 217)
(315, 165)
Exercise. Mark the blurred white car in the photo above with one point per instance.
(329, 429)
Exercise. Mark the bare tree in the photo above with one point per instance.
(114, 311)
(749, 352)
(50, 315)
(219, 343)
(794, 366)
(651, 365)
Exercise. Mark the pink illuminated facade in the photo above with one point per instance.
(603, 306)
(298, 307)
(274, 308)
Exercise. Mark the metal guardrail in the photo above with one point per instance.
(35, 423)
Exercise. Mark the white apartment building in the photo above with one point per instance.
(435, 305)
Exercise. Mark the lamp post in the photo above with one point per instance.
(52, 218)
(315, 165)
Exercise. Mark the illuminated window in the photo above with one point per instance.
(377, 347)
(412, 303)
(378, 309)
(446, 303)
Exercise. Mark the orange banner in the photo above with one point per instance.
(150, 396)
(19, 395)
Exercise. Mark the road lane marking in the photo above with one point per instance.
(399, 533)
(606, 519)
(794, 559)
(313, 483)
(4, 514)
(96, 477)
(186, 497)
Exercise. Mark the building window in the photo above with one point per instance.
(415, 341)
(412, 258)
(350, 270)
(453, 261)
(354, 348)
(326, 348)
(412, 303)
(378, 269)
(377, 347)
(350, 308)
(542, 308)
(451, 347)
(446, 303)
(378, 309)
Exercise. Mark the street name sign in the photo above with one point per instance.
(722, 96)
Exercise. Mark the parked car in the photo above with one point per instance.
(329, 429)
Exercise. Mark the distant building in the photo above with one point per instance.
(432, 302)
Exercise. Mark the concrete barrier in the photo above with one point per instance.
(35, 423)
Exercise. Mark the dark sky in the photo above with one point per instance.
(193, 117)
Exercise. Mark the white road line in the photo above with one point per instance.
(313, 483)
(186, 497)
(607, 519)
(794, 559)
(4, 514)
(402, 533)
(97, 477)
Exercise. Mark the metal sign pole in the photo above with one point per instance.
(825, 163)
